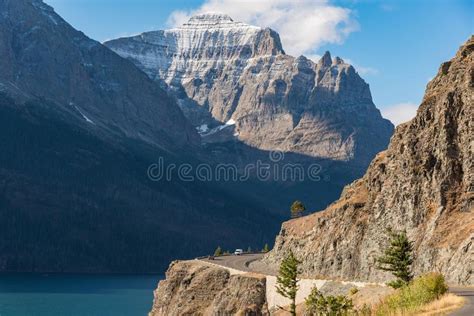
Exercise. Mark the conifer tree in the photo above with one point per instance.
(287, 280)
(319, 305)
(218, 252)
(297, 209)
(266, 248)
(398, 258)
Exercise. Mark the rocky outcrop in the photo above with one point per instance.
(423, 183)
(195, 288)
(202, 288)
(220, 70)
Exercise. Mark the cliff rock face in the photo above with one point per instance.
(195, 288)
(222, 71)
(423, 183)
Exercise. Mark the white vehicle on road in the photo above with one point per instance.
(238, 252)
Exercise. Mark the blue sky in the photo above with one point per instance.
(397, 46)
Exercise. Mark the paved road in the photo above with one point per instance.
(237, 262)
(468, 294)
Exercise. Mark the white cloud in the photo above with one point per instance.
(303, 25)
(400, 113)
(366, 71)
(314, 57)
(362, 70)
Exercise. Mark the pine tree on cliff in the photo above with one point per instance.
(297, 209)
(266, 248)
(218, 252)
(398, 258)
(287, 280)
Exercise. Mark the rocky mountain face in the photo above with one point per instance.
(230, 75)
(423, 183)
(79, 128)
(44, 57)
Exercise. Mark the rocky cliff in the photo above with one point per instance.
(195, 288)
(203, 288)
(423, 183)
(222, 71)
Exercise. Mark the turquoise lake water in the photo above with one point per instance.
(76, 295)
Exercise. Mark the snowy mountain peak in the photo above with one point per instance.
(211, 18)
(199, 49)
(216, 22)
(220, 69)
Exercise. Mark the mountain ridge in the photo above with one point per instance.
(88, 81)
(80, 128)
(224, 71)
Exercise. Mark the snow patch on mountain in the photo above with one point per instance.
(218, 129)
(202, 129)
(88, 120)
